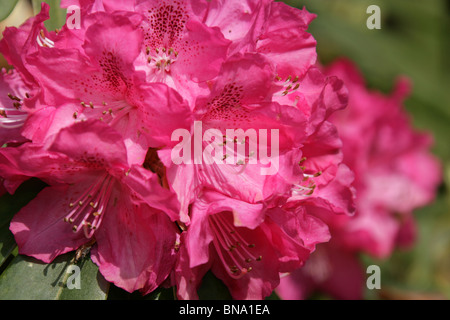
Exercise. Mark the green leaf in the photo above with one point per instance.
(6, 7)
(93, 284)
(57, 14)
(29, 279)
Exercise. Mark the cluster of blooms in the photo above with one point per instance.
(91, 111)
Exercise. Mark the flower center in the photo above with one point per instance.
(110, 113)
(87, 211)
(155, 165)
(233, 250)
(290, 85)
(12, 117)
(307, 186)
(160, 60)
(43, 41)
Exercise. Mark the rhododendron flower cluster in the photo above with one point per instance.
(178, 137)
(395, 173)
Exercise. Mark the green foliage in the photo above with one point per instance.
(28, 279)
(57, 15)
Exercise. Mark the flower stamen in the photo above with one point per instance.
(231, 247)
(89, 214)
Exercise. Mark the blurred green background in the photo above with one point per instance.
(413, 41)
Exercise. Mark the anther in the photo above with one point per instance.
(13, 97)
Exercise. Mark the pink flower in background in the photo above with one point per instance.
(395, 173)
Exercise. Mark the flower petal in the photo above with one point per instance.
(135, 245)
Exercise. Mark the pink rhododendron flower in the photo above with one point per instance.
(177, 48)
(245, 245)
(102, 133)
(249, 94)
(94, 194)
(101, 83)
(395, 173)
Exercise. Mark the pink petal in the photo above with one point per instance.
(91, 141)
(239, 21)
(39, 228)
(135, 245)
